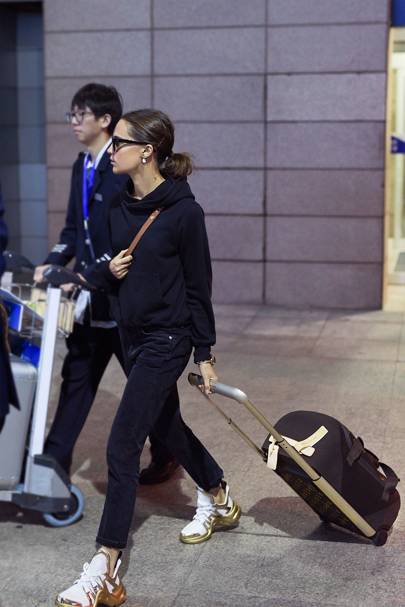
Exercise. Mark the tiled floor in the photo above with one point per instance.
(347, 364)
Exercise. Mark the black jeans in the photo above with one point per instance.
(150, 400)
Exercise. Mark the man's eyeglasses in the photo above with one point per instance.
(118, 142)
(78, 116)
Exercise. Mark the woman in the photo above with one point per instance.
(162, 304)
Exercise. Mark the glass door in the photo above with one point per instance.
(395, 234)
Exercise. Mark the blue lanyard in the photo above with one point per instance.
(87, 184)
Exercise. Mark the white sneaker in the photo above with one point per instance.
(211, 513)
(95, 586)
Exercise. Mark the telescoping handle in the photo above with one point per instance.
(218, 388)
(240, 397)
(235, 394)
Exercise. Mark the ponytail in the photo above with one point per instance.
(178, 165)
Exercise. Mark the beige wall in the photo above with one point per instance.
(282, 104)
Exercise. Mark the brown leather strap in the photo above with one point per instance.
(142, 231)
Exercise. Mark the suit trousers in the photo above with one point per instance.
(89, 351)
(150, 400)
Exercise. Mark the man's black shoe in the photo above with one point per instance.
(158, 473)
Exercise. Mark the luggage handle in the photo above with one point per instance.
(235, 394)
(391, 482)
(218, 388)
(320, 482)
(355, 453)
(357, 449)
(240, 397)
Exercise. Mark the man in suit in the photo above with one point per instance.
(8, 394)
(95, 110)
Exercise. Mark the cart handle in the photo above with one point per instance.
(221, 389)
(59, 275)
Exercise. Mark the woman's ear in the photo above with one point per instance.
(147, 151)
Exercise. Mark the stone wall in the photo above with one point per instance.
(281, 103)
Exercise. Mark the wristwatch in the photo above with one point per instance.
(212, 360)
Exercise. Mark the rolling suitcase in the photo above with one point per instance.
(326, 465)
(14, 433)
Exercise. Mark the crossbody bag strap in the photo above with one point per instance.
(142, 231)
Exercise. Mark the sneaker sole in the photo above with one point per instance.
(111, 600)
(229, 521)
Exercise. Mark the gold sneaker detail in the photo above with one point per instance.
(211, 514)
(95, 587)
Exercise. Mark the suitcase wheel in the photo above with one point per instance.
(68, 518)
(380, 537)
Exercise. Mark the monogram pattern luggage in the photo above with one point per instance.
(367, 484)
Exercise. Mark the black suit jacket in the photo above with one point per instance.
(8, 393)
(72, 238)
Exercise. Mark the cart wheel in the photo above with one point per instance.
(380, 537)
(63, 519)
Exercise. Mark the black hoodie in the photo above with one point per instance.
(168, 285)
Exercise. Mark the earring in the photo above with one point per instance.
(143, 160)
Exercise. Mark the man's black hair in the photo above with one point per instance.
(100, 99)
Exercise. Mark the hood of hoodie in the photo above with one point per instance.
(165, 195)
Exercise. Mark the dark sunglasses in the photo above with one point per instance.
(118, 142)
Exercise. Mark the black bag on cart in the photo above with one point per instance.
(338, 456)
(326, 465)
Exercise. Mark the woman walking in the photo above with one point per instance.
(162, 304)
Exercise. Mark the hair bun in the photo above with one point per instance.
(178, 165)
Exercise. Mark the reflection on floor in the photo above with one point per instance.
(395, 301)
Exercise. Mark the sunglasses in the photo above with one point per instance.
(118, 142)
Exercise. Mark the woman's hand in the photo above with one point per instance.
(208, 375)
(119, 265)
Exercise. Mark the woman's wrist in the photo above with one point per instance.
(210, 361)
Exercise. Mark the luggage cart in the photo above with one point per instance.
(364, 500)
(28, 477)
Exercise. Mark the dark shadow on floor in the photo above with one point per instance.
(10, 513)
(292, 516)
